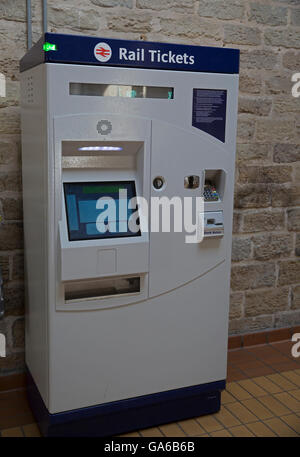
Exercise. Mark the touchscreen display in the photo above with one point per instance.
(97, 210)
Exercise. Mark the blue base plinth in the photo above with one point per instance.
(126, 415)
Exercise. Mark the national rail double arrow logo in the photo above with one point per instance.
(102, 52)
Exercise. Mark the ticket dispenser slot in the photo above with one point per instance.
(101, 288)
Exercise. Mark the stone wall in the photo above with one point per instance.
(266, 242)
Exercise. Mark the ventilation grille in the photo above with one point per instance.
(29, 89)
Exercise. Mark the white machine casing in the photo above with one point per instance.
(174, 332)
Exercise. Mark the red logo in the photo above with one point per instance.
(102, 52)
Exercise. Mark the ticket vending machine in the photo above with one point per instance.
(126, 325)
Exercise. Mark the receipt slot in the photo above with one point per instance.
(126, 327)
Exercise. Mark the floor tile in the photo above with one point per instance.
(267, 385)
(284, 366)
(15, 432)
(226, 397)
(284, 347)
(267, 351)
(280, 428)
(295, 394)
(277, 408)
(257, 409)
(31, 430)
(293, 377)
(209, 423)
(191, 427)
(235, 375)
(10, 382)
(237, 391)
(262, 351)
(289, 401)
(241, 412)
(251, 365)
(151, 432)
(226, 418)
(220, 433)
(172, 430)
(252, 388)
(241, 431)
(260, 430)
(8, 420)
(239, 355)
(15, 401)
(281, 381)
(258, 371)
(293, 421)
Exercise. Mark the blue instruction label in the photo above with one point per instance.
(209, 111)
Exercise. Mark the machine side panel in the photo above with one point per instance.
(34, 175)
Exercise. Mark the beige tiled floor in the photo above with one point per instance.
(258, 407)
(264, 405)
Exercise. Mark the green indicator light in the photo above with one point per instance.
(49, 47)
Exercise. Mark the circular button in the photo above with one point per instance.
(158, 182)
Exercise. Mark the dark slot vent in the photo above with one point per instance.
(98, 288)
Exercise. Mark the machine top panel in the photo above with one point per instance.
(87, 50)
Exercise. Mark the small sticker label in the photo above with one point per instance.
(209, 111)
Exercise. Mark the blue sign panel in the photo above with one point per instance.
(85, 50)
(209, 111)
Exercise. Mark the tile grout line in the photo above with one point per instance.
(258, 399)
(297, 431)
(274, 415)
(252, 422)
(268, 393)
(161, 431)
(277, 385)
(177, 423)
(281, 352)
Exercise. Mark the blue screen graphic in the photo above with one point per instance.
(97, 210)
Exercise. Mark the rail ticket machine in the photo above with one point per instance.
(126, 327)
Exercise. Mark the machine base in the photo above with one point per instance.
(126, 415)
